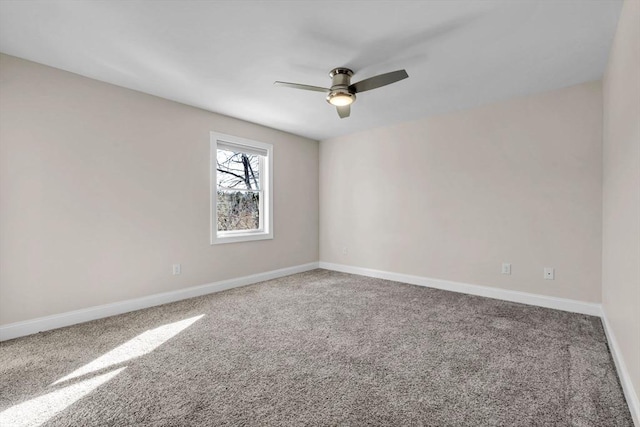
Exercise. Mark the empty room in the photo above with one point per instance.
(319, 213)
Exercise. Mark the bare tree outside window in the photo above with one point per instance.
(238, 190)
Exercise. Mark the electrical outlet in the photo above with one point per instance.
(345, 250)
(177, 269)
(506, 268)
(549, 273)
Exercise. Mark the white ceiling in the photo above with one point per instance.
(224, 56)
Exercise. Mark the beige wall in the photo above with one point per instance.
(621, 200)
(103, 189)
(452, 197)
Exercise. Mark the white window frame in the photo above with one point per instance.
(266, 182)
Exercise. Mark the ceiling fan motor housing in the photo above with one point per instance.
(341, 79)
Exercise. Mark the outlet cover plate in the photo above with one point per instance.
(506, 268)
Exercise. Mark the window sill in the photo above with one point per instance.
(240, 237)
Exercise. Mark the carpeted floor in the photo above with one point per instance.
(318, 348)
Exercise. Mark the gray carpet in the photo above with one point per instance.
(319, 348)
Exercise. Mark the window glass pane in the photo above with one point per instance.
(241, 189)
(238, 210)
(238, 170)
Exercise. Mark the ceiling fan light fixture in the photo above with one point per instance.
(342, 93)
(340, 98)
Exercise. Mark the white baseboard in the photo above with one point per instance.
(625, 380)
(20, 329)
(564, 304)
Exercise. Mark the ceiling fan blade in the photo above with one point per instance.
(344, 111)
(378, 81)
(299, 86)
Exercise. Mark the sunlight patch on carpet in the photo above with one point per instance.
(144, 343)
(36, 411)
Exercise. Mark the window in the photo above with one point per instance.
(241, 182)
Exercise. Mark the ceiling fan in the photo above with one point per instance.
(342, 93)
